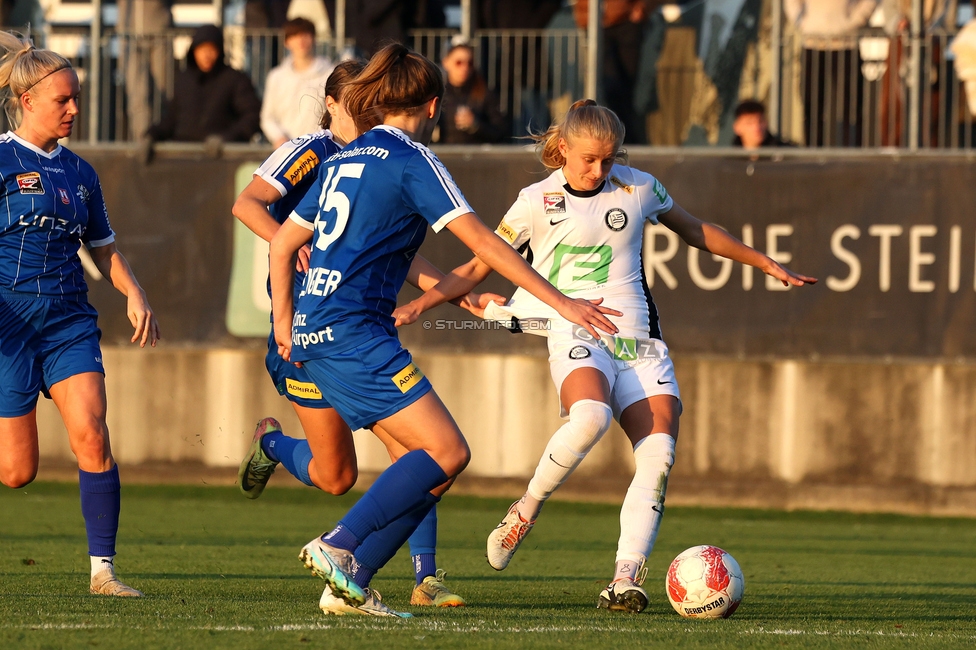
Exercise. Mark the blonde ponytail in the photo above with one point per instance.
(23, 66)
(584, 119)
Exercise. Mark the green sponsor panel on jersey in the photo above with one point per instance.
(574, 265)
(248, 304)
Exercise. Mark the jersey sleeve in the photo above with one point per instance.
(430, 191)
(654, 199)
(307, 210)
(293, 161)
(516, 225)
(99, 231)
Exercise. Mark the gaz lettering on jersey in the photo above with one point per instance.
(301, 168)
(575, 268)
(321, 282)
(51, 223)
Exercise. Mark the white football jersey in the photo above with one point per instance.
(588, 244)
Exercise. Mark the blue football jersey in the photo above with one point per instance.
(369, 210)
(292, 169)
(51, 203)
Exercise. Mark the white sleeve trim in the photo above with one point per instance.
(450, 216)
(294, 216)
(100, 242)
(272, 181)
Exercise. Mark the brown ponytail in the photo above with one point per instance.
(396, 81)
(335, 85)
(584, 119)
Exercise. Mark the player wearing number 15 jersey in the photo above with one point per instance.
(584, 225)
(367, 215)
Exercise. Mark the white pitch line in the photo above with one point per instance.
(441, 626)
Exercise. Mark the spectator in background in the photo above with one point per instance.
(374, 23)
(623, 34)
(211, 101)
(147, 56)
(293, 92)
(831, 68)
(751, 129)
(470, 113)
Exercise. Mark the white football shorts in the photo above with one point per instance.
(635, 368)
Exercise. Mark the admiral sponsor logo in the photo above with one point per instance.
(554, 202)
(579, 352)
(616, 219)
(619, 183)
(506, 232)
(302, 167)
(30, 183)
(65, 197)
(303, 340)
(707, 607)
(659, 191)
(51, 223)
(302, 389)
(408, 377)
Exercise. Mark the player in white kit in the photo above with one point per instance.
(582, 228)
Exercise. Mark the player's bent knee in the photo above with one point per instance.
(590, 419)
(18, 477)
(340, 484)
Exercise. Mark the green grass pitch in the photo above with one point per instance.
(221, 571)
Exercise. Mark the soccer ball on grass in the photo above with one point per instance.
(705, 582)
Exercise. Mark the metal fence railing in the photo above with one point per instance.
(873, 91)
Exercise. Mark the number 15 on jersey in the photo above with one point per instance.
(334, 199)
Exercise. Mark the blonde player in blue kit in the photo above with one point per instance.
(326, 458)
(49, 338)
(367, 215)
(585, 225)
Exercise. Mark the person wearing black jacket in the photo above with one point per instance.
(470, 113)
(212, 102)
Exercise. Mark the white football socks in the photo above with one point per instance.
(588, 421)
(99, 564)
(643, 507)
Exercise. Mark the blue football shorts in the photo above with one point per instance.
(43, 341)
(291, 381)
(369, 382)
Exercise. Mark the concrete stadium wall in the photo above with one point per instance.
(869, 435)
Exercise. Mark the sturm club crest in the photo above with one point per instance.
(616, 219)
(579, 352)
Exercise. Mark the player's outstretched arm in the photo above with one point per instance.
(497, 254)
(251, 208)
(454, 287)
(713, 239)
(114, 266)
(284, 247)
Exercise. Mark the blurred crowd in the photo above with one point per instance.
(686, 73)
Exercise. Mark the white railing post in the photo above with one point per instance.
(915, 76)
(593, 38)
(94, 70)
(467, 13)
(340, 26)
(776, 73)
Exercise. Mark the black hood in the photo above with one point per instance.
(206, 34)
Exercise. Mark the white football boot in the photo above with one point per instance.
(506, 538)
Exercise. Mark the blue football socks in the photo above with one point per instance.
(377, 549)
(401, 489)
(101, 495)
(423, 546)
(294, 454)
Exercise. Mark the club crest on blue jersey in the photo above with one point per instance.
(554, 202)
(30, 183)
(65, 197)
(616, 219)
